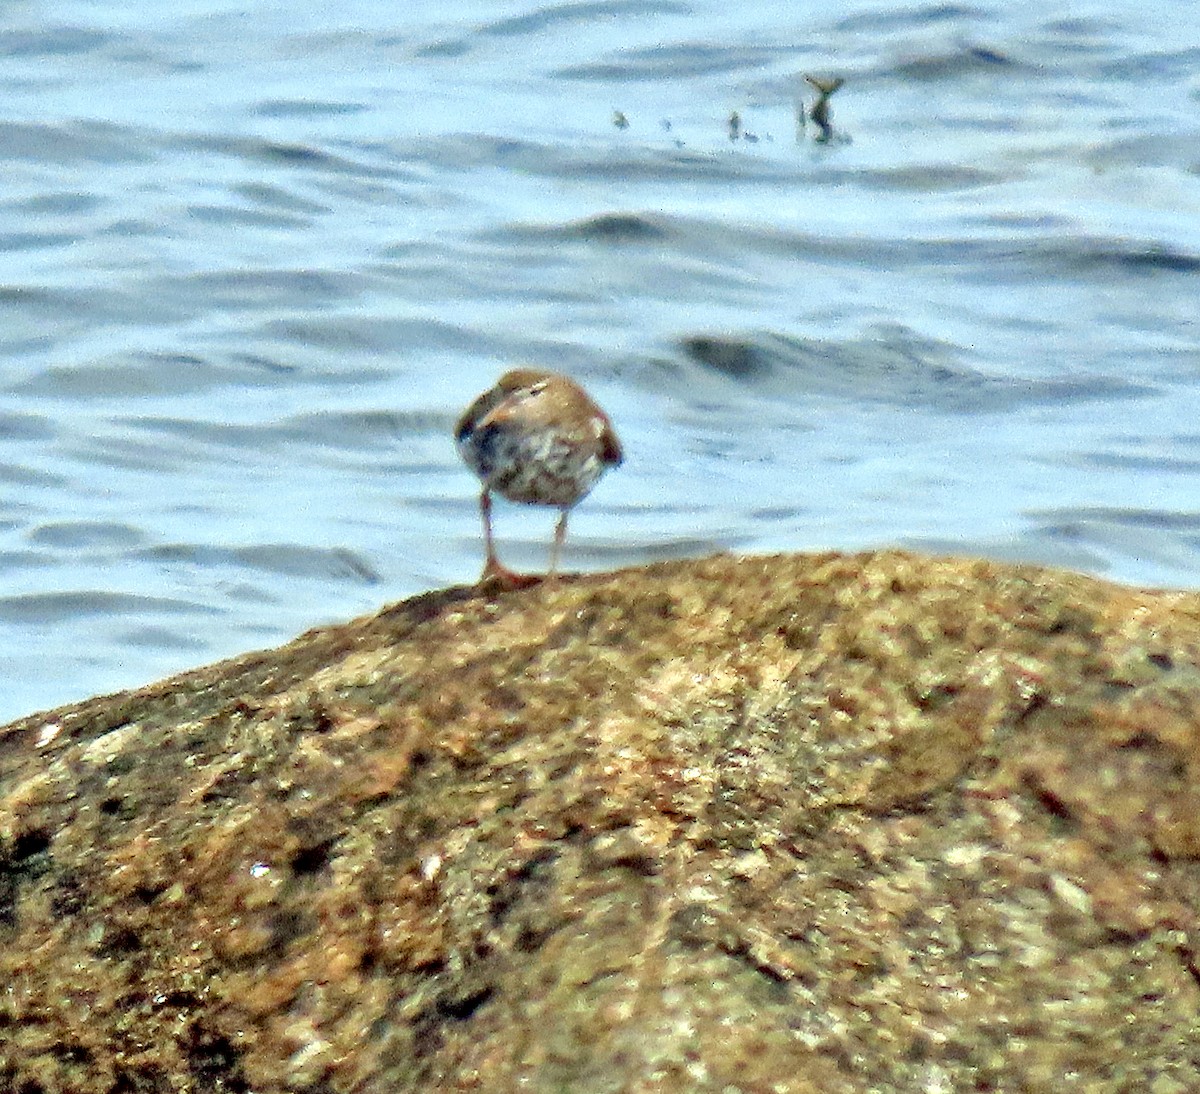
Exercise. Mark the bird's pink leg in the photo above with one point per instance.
(485, 511)
(560, 537)
(494, 572)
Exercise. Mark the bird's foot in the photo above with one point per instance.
(501, 578)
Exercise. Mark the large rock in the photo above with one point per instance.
(799, 824)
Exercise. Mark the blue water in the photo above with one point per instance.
(253, 262)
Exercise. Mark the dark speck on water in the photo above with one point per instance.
(248, 284)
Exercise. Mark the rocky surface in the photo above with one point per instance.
(806, 823)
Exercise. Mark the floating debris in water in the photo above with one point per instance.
(820, 109)
(619, 120)
(739, 132)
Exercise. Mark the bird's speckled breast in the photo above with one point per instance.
(538, 467)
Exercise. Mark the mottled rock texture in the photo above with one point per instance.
(806, 823)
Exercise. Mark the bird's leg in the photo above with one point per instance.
(560, 536)
(494, 572)
(485, 511)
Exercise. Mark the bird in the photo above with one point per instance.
(535, 436)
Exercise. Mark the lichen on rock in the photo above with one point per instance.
(799, 823)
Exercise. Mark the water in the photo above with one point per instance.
(254, 262)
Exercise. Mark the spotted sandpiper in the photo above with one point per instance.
(536, 437)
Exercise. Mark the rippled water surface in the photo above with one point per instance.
(253, 263)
